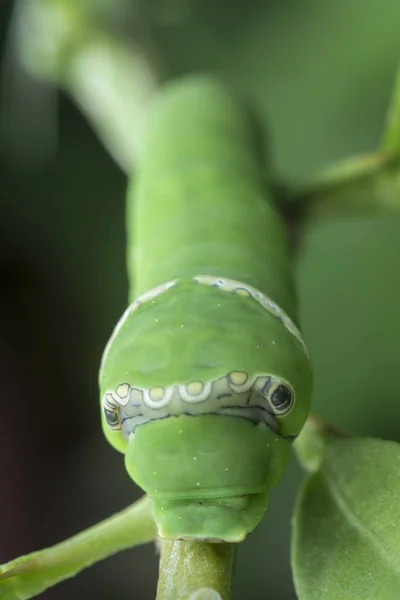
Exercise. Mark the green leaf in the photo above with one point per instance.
(346, 530)
(30, 575)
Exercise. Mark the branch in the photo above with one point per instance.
(195, 571)
(310, 446)
(81, 48)
(363, 185)
(391, 135)
(366, 185)
(30, 575)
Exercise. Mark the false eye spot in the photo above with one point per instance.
(280, 397)
(112, 419)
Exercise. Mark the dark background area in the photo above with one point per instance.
(321, 75)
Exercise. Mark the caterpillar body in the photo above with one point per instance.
(206, 379)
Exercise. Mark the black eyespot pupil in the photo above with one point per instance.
(111, 417)
(281, 397)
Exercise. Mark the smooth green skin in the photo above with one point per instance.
(198, 202)
(201, 484)
(198, 206)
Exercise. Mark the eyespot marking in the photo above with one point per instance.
(279, 395)
(110, 401)
(156, 394)
(195, 391)
(238, 377)
(111, 412)
(257, 398)
(157, 397)
(239, 381)
(112, 419)
(122, 392)
(195, 388)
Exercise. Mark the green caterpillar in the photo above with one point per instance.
(206, 379)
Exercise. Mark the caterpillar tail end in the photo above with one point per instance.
(208, 476)
(218, 520)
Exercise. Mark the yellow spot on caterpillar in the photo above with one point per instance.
(122, 390)
(238, 377)
(195, 388)
(156, 394)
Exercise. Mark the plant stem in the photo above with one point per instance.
(195, 570)
(79, 47)
(112, 83)
(311, 444)
(366, 185)
(30, 575)
(391, 135)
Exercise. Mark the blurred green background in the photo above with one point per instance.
(321, 75)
